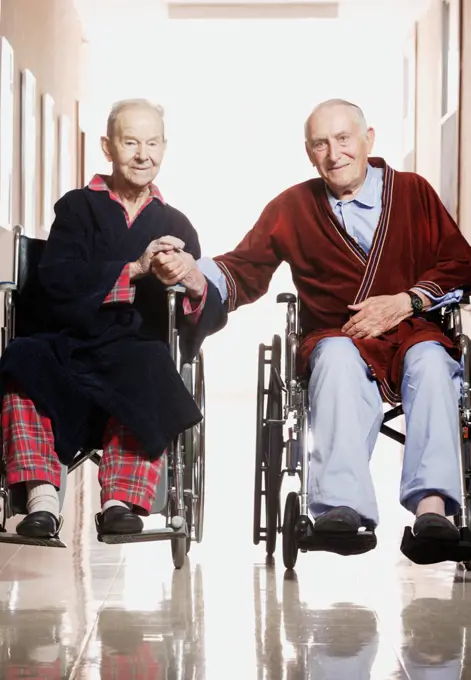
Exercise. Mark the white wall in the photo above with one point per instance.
(236, 95)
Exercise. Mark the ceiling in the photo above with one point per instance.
(118, 15)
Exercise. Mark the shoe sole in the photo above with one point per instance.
(341, 543)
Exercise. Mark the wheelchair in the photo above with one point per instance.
(180, 492)
(282, 431)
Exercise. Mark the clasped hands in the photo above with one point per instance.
(166, 259)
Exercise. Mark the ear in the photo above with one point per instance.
(309, 152)
(105, 146)
(370, 139)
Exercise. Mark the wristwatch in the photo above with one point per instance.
(416, 302)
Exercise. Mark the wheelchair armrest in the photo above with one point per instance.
(285, 298)
(455, 325)
(453, 319)
(5, 286)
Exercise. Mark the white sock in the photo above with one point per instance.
(42, 497)
(112, 503)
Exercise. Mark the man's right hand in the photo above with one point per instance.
(179, 267)
(165, 244)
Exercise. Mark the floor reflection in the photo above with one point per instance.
(33, 644)
(167, 642)
(302, 643)
(437, 642)
(96, 612)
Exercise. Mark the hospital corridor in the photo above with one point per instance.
(189, 412)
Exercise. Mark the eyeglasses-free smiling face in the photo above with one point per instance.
(136, 146)
(338, 145)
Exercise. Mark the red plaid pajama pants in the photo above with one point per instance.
(125, 474)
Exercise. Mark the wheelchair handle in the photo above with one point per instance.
(7, 285)
(177, 288)
(285, 298)
(291, 344)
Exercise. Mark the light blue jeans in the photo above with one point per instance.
(346, 416)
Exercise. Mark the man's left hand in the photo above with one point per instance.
(179, 267)
(377, 315)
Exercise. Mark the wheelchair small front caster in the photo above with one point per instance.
(178, 544)
(290, 522)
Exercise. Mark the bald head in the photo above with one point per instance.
(330, 104)
(135, 105)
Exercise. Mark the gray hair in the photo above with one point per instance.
(130, 103)
(338, 102)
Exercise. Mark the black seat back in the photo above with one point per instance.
(29, 310)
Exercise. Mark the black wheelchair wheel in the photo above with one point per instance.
(290, 546)
(178, 552)
(269, 447)
(466, 449)
(259, 448)
(274, 447)
(194, 455)
(179, 544)
(199, 440)
(188, 455)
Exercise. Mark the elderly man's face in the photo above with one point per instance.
(137, 146)
(339, 148)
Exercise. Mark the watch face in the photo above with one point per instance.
(416, 302)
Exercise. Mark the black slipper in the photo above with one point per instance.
(338, 520)
(432, 551)
(39, 524)
(118, 520)
(432, 526)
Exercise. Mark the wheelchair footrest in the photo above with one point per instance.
(423, 551)
(55, 542)
(144, 536)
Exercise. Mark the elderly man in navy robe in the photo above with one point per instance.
(101, 370)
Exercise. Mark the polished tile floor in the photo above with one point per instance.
(122, 613)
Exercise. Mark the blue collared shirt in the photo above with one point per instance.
(360, 215)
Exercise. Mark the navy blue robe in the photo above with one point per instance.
(86, 361)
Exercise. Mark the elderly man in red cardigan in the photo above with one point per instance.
(373, 253)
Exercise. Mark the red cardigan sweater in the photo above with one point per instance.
(416, 243)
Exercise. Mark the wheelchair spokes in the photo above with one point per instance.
(269, 447)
